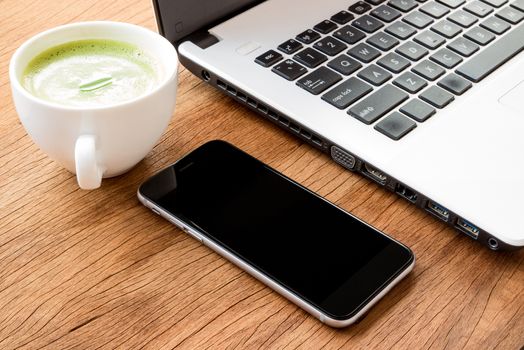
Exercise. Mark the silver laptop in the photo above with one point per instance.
(424, 97)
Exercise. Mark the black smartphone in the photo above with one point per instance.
(322, 258)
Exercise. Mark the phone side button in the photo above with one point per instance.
(195, 236)
(154, 210)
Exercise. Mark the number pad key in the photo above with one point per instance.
(319, 80)
(330, 46)
(310, 57)
(289, 70)
(344, 64)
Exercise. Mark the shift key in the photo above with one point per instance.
(377, 104)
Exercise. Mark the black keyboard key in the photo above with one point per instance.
(347, 93)
(496, 25)
(375, 75)
(359, 7)
(325, 26)
(268, 58)
(308, 36)
(330, 46)
(446, 58)
(455, 84)
(418, 110)
(463, 46)
(494, 55)
(518, 4)
(403, 5)
(319, 80)
(511, 15)
(349, 34)
(290, 46)
(446, 28)
(377, 104)
(393, 62)
(463, 18)
(364, 53)
(401, 30)
(478, 8)
(342, 17)
(434, 9)
(395, 126)
(289, 69)
(382, 41)
(410, 82)
(479, 35)
(495, 3)
(368, 24)
(428, 70)
(375, 2)
(418, 19)
(452, 3)
(429, 39)
(310, 58)
(437, 97)
(412, 51)
(385, 13)
(344, 64)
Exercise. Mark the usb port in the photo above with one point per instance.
(468, 228)
(374, 174)
(406, 192)
(438, 210)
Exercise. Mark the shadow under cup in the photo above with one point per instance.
(105, 140)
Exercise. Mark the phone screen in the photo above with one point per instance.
(314, 249)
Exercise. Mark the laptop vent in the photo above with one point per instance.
(272, 115)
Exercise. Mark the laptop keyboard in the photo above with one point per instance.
(393, 65)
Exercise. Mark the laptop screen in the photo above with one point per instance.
(179, 18)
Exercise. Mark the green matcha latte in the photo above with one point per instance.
(91, 73)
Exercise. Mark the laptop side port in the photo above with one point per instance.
(438, 210)
(342, 157)
(374, 174)
(406, 192)
(468, 228)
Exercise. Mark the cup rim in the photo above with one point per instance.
(15, 83)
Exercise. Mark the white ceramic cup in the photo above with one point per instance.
(105, 141)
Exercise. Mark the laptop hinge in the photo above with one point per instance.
(202, 39)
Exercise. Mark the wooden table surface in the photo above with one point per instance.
(95, 269)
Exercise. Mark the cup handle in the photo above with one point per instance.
(88, 172)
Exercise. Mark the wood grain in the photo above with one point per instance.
(95, 269)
